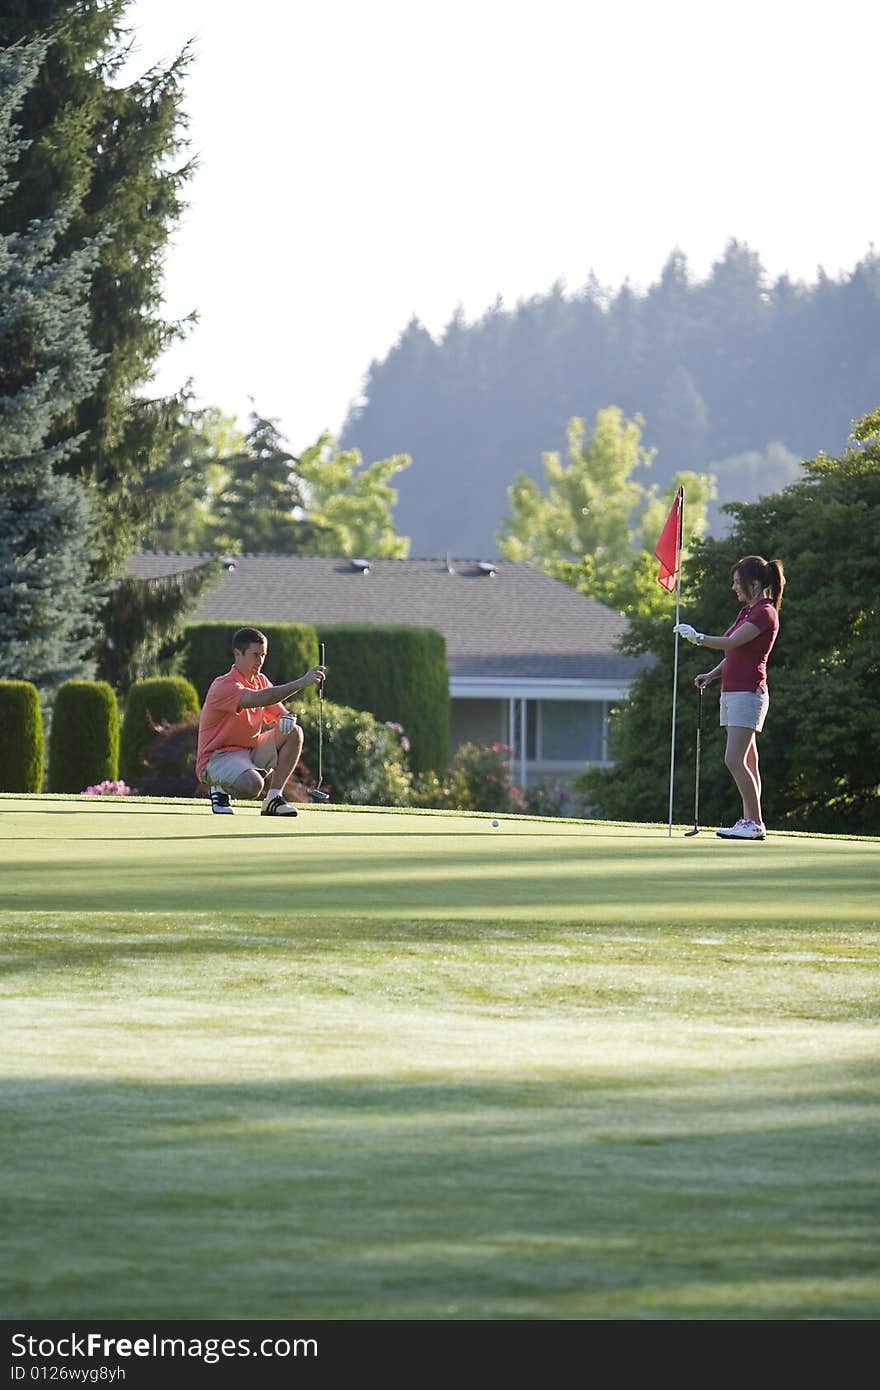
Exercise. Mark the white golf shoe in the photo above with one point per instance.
(275, 805)
(743, 830)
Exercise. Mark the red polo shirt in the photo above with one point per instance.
(745, 668)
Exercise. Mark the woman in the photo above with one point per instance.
(747, 643)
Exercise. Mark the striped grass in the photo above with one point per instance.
(390, 1067)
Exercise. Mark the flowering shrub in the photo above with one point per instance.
(398, 729)
(548, 798)
(431, 792)
(108, 789)
(480, 779)
(363, 760)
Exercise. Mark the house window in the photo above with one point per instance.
(571, 730)
(563, 731)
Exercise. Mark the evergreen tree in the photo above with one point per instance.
(144, 624)
(47, 369)
(596, 524)
(107, 152)
(261, 506)
(203, 441)
(262, 497)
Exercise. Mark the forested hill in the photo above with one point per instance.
(735, 374)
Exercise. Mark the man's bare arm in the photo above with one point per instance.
(275, 694)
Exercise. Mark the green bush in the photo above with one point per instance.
(363, 762)
(164, 699)
(22, 744)
(397, 673)
(207, 653)
(84, 740)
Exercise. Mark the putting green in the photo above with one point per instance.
(377, 1065)
(89, 856)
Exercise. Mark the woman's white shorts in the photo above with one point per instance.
(744, 709)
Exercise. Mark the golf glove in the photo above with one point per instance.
(689, 633)
(287, 723)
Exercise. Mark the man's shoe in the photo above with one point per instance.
(743, 830)
(275, 805)
(220, 802)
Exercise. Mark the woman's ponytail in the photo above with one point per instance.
(775, 581)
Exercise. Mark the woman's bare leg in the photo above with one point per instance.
(740, 759)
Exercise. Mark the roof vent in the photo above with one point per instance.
(228, 563)
(362, 566)
(487, 567)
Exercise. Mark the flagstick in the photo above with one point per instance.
(675, 662)
(674, 702)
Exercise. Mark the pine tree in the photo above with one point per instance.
(144, 621)
(262, 506)
(197, 474)
(106, 152)
(47, 369)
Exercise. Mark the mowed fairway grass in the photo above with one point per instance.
(393, 1066)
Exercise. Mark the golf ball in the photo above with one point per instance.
(495, 824)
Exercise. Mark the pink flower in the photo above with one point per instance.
(398, 729)
(106, 788)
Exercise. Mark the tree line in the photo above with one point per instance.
(736, 375)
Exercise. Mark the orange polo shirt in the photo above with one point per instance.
(223, 725)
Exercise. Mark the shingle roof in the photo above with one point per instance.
(517, 624)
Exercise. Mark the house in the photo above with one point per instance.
(532, 663)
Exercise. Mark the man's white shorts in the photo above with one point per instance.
(226, 765)
(744, 709)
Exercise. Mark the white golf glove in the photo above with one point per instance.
(689, 633)
(287, 723)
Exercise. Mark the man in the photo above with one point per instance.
(246, 735)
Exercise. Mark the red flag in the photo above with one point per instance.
(668, 548)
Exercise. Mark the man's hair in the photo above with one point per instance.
(246, 636)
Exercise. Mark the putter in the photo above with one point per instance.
(316, 794)
(696, 829)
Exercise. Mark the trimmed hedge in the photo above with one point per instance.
(293, 650)
(22, 741)
(165, 698)
(84, 740)
(397, 673)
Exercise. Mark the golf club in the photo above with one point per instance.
(696, 829)
(316, 794)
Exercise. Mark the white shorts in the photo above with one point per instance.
(226, 765)
(744, 709)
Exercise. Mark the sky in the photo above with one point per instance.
(361, 162)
